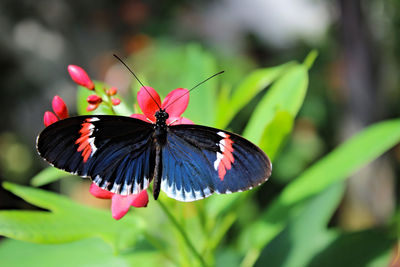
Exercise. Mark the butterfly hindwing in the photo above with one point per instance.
(199, 160)
(115, 152)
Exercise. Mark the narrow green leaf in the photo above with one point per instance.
(310, 59)
(373, 247)
(306, 233)
(344, 160)
(48, 175)
(275, 132)
(66, 221)
(336, 166)
(247, 90)
(286, 94)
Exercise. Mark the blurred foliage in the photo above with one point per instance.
(15, 160)
(235, 229)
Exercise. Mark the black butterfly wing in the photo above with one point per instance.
(115, 152)
(199, 160)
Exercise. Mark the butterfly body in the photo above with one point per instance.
(123, 155)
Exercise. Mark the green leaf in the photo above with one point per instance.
(306, 233)
(286, 94)
(67, 221)
(363, 248)
(275, 132)
(48, 175)
(310, 59)
(336, 166)
(246, 91)
(91, 252)
(88, 252)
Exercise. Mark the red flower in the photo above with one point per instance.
(112, 91)
(115, 101)
(59, 108)
(80, 76)
(120, 204)
(49, 118)
(175, 110)
(94, 99)
(92, 107)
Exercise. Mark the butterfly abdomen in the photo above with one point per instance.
(157, 172)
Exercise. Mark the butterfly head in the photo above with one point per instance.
(161, 116)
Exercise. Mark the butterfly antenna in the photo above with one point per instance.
(194, 87)
(117, 57)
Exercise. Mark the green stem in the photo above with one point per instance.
(105, 102)
(182, 232)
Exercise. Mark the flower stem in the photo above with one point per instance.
(182, 232)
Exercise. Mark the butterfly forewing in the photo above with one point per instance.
(199, 160)
(115, 152)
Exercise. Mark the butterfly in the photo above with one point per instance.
(124, 155)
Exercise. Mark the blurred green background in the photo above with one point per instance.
(353, 83)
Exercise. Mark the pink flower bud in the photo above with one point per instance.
(94, 99)
(92, 107)
(80, 76)
(115, 101)
(112, 91)
(49, 118)
(59, 107)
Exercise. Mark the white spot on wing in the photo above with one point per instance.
(222, 145)
(222, 134)
(218, 160)
(91, 143)
(94, 119)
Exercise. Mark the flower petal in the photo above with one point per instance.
(49, 118)
(178, 120)
(112, 91)
(99, 192)
(140, 117)
(146, 103)
(92, 107)
(177, 108)
(80, 76)
(115, 101)
(94, 99)
(121, 204)
(141, 199)
(59, 107)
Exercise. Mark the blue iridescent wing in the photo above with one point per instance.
(115, 152)
(198, 161)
